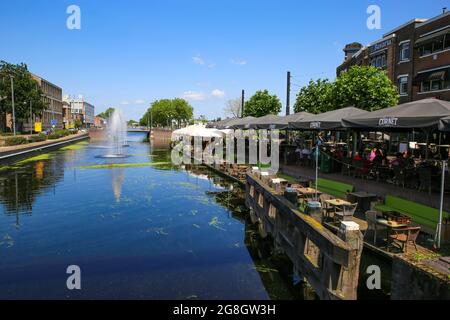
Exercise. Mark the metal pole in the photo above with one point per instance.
(288, 94)
(13, 109)
(317, 168)
(31, 118)
(242, 103)
(441, 206)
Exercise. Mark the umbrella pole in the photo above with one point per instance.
(441, 207)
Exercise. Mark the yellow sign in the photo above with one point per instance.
(38, 127)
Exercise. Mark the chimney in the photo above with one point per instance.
(352, 48)
(444, 10)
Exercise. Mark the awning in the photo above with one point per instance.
(444, 124)
(237, 123)
(432, 36)
(217, 124)
(272, 122)
(421, 114)
(441, 74)
(331, 120)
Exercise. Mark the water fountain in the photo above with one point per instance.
(117, 133)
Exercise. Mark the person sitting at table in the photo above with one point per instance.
(357, 157)
(373, 154)
(409, 160)
(378, 160)
(398, 161)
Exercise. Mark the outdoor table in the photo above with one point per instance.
(308, 193)
(390, 225)
(338, 202)
(364, 200)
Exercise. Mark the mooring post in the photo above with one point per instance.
(350, 233)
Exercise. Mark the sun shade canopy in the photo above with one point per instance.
(331, 120)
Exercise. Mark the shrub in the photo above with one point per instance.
(58, 134)
(38, 138)
(15, 141)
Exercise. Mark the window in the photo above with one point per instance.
(436, 85)
(379, 61)
(447, 41)
(404, 51)
(426, 49)
(403, 85)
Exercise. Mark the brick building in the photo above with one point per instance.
(415, 56)
(52, 116)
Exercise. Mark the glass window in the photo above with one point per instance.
(403, 85)
(425, 86)
(404, 51)
(436, 85)
(447, 41)
(383, 61)
(438, 44)
(426, 49)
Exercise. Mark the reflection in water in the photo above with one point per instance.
(164, 232)
(117, 178)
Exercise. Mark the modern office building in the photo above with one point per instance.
(415, 56)
(82, 110)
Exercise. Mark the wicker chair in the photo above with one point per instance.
(403, 236)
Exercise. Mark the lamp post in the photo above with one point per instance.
(12, 103)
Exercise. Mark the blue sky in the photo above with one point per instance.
(129, 53)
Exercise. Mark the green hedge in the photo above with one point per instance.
(38, 138)
(58, 134)
(15, 141)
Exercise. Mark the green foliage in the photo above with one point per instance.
(366, 88)
(58, 134)
(132, 123)
(78, 124)
(164, 112)
(262, 103)
(26, 90)
(106, 114)
(38, 138)
(15, 141)
(316, 97)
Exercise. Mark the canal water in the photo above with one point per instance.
(136, 230)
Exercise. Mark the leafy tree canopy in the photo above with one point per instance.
(316, 97)
(26, 91)
(165, 112)
(107, 113)
(366, 88)
(262, 103)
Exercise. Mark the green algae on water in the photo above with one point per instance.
(40, 157)
(124, 165)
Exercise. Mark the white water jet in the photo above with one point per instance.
(117, 131)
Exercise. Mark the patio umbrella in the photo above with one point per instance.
(331, 120)
(444, 124)
(270, 121)
(219, 124)
(238, 123)
(422, 114)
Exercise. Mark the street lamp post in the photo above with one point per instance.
(31, 118)
(12, 102)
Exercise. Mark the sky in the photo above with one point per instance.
(129, 53)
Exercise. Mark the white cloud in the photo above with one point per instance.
(218, 93)
(139, 101)
(239, 62)
(125, 103)
(198, 60)
(193, 95)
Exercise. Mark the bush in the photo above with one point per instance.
(15, 141)
(40, 137)
(58, 134)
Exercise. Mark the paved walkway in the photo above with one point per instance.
(380, 188)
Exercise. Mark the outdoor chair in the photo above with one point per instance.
(424, 178)
(358, 168)
(399, 176)
(327, 210)
(346, 213)
(403, 236)
(371, 218)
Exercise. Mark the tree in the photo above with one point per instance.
(316, 97)
(132, 123)
(107, 113)
(26, 91)
(366, 88)
(166, 111)
(262, 103)
(233, 108)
